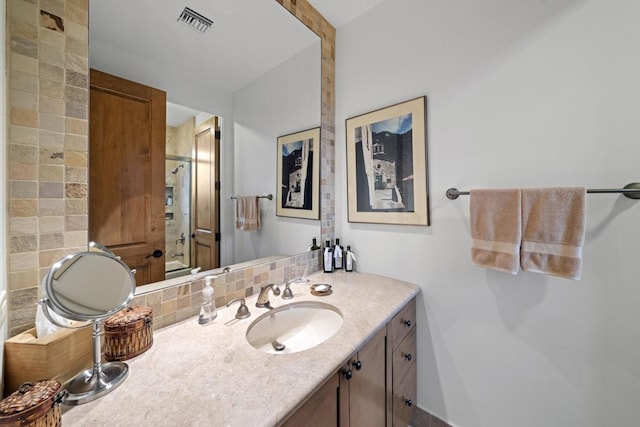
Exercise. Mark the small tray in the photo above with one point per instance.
(321, 289)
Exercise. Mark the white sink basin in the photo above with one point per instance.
(294, 327)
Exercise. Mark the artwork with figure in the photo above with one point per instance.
(297, 178)
(387, 165)
(298, 193)
(384, 165)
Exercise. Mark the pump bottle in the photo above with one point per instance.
(337, 256)
(208, 307)
(327, 258)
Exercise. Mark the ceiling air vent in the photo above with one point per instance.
(194, 20)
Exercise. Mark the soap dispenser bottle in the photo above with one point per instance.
(208, 307)
(350, 257)
(337, 256)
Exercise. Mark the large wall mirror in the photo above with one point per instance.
(255, 71)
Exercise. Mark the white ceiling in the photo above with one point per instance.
(238, 48)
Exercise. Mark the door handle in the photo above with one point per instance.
(156, 254)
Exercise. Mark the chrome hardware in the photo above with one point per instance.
(407, 323)
(288, 293)
(243, 310)
(408, 402)
(357, 364)
(263, 297)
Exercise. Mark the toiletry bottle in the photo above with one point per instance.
(328, 258)
(208, 308)
(337, 255)
(349, 259)
(314, 245)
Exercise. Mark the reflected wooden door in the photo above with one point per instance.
(126, 172)
(206, 188)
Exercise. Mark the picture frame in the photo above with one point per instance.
(387, 165)
(298, 180)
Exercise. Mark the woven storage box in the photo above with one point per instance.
(128, 333)
(33, 404)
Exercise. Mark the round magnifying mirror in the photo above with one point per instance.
(89, 286)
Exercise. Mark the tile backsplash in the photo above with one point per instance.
(181, 301)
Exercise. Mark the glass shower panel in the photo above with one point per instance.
(177, 217)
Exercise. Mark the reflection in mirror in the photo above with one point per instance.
(260, 91)
(90, 285)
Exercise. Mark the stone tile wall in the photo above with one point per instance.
(47, 61)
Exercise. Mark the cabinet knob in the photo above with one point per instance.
(357, 364)
(408, 357)
(348, 374)
(407, 323)
(408, 402)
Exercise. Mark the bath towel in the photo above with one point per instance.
(553, 221)
(247, 213)
(495, 219)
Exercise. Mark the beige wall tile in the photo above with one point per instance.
(20, 117)
(52, 123)
(52, 39)
(52, 241)
(22, 135)
(51, 207)
(23, 100)
(25, 30)
(51, 56)
(77, 63)
(76, 95)
(75, 158)
(55, 7)
(21, 11)
(169, 307)
(77, 31)
(76, 223)
(169, 294)
(23, 207)
(22, 225)
(47, 258)
(23, 189)
(76, 191)
(51, 156)
(80, 4)
(51, 106)
(55, 73)
(51, 224)
(24, 64)
(22, 244)
(76, 206)
(23, 82)
(23, 46)
(77, 15)
(76, 47)
(23, 279)
(51, 173)
(23, 261)
(76, 110)
(75, 142)
(50, 139)
(52, 89)
(76, 175)
(76, 238)
(77, 127)
(76, 79)
(25, 171)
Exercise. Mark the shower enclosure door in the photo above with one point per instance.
(126, 172)
(206, 159)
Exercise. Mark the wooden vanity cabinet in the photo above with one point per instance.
(377, 386)
(402, 357)
(363, 391)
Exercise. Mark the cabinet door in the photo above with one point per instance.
(320, 410)
(367, 387)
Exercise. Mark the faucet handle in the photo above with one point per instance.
(288, 293)
(243, 310)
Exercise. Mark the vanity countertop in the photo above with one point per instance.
(211, 376)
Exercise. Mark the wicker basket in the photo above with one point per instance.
(34, 405)
(128, 333)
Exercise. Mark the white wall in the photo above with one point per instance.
(520, 94)
(282, 101)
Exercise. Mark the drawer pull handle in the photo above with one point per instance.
(348, 374)
(407, 323)
(408, 357)
(357, 364)
(408, 402)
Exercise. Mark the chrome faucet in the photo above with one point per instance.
(263, 297)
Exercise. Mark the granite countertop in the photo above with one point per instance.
(211, 376)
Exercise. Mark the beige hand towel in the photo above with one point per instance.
(553, 221)
(495, 219)
(247, 213)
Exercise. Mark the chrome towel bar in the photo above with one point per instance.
(631, 191)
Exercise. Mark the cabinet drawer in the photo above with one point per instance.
(403, 322)
(404, 398)
(404, 357)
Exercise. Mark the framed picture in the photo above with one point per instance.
(387, 165)
(298, 194)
